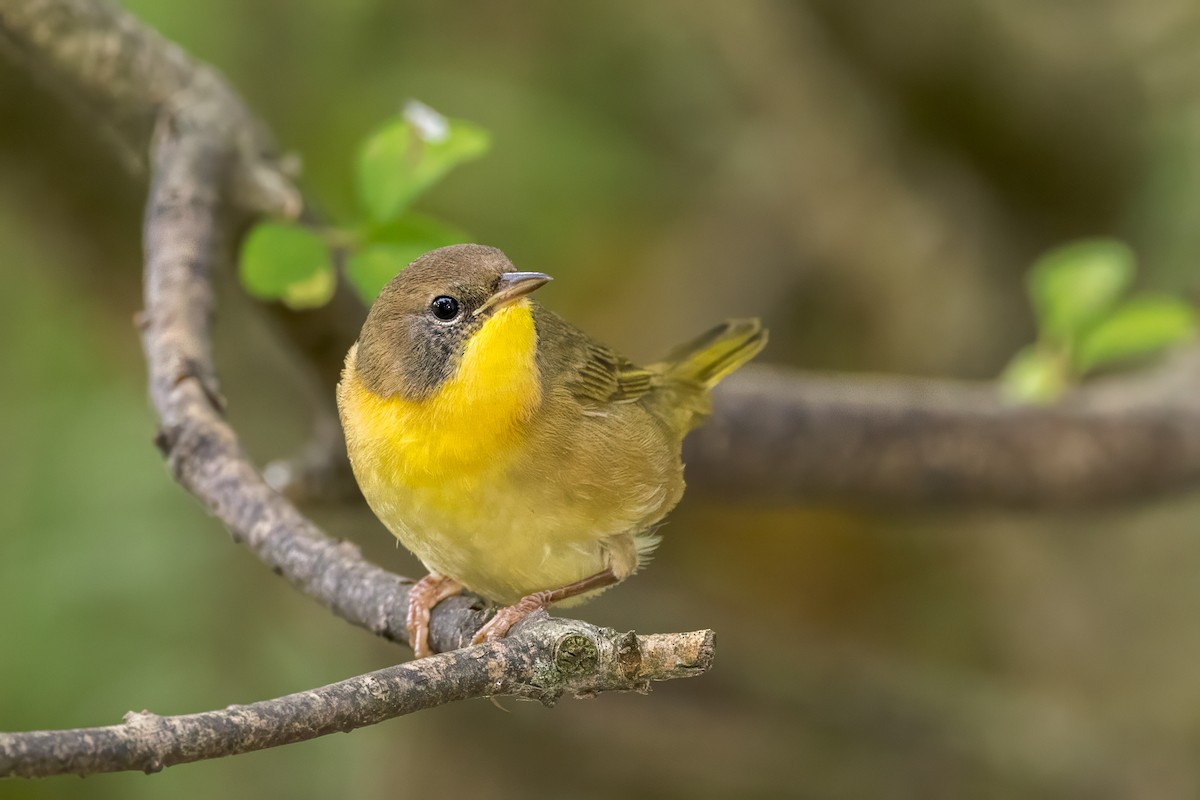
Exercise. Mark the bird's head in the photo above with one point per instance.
(421, 323)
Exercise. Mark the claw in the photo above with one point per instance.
(496, 627)
(422, 597)
(505, 618)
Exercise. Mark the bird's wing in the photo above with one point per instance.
(593, 373)
(604, 376)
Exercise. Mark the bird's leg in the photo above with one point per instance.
(422, 597)
(505, 618)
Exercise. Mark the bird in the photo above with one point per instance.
(514, 455)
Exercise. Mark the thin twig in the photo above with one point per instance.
(541, 662)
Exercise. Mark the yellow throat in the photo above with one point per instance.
(468, 425)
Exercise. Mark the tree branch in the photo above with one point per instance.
(885, 439)
(541, 662)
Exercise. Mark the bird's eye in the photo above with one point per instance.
(444, 308)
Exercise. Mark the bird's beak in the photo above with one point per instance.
(512, 287)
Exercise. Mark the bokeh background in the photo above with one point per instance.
(871, 177)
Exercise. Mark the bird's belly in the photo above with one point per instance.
(487, 533)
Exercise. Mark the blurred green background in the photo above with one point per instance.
(873, 178)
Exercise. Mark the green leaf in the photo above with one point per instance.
(1140, 327)
(1036, 375)
(409, 155)
(1073, 286)
(276, 257)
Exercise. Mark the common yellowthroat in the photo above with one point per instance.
(509, 451)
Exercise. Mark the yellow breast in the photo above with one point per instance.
(469, 425)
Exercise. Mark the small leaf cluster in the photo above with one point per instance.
(398, 162)
(1087, 320)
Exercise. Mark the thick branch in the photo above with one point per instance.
(542, 662)
(923, 441)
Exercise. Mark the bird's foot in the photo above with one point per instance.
(505, 618)
(499, 625)
(422, 597)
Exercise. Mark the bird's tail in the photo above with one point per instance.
(715, 353)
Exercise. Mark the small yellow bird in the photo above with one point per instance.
(511, 453)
